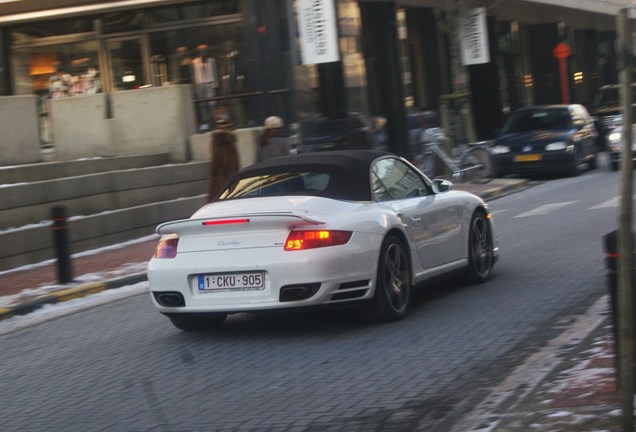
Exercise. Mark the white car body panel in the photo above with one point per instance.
(261, 245)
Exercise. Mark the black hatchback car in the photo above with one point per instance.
(547, 139)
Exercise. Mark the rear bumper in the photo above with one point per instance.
(549, 163)
(340, 276)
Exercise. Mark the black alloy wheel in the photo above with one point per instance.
(393, 284)
(480, 249)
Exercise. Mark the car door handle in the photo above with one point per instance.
(416, 220)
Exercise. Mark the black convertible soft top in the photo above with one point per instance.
(349, 170)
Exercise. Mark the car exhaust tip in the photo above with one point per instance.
(298, 292)
(169, 298)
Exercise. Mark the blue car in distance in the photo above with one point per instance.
(547, 139)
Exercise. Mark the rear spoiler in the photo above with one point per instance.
(183, 225)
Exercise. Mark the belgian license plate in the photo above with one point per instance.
(528, 158)
(248, 281)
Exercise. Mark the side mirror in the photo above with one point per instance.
(442, 186)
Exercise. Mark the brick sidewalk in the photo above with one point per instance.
(107, 263)
(579, 395)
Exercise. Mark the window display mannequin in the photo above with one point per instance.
(205, 83)
(184, 66)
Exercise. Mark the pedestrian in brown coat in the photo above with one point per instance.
(225, 161)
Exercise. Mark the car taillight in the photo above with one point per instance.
(301, 240)
(225, 222)
(167, 247)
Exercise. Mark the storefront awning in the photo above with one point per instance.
(70, 11)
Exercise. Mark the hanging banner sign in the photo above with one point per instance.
(318, 31)
(474, 38)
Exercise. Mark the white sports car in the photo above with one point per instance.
(351, 228)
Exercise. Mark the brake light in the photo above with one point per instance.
(225, 222)
(167, 247)
(301, 240)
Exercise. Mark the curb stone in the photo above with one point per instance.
(497, 192)
(67, 294)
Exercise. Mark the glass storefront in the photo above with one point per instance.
(352, 57)
(200, 43)
(68, 69)
(210, 58)
(307, 81)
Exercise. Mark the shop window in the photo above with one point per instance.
(211, 58)
(33, 31)
(198, 10)
(57, 71)
(351, 54)
(126, 67)
(125, 21)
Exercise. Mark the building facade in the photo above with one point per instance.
(394, 58)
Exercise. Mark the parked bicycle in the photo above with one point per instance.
(475, 162)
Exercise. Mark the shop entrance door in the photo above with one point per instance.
(125, 57)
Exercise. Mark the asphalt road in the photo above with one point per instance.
(123, 367)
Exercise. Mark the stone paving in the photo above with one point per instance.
(578, 394)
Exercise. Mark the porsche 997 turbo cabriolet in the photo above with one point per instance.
(356, 228)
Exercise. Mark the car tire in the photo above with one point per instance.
(614, 165)
(480, 249)
(393, 284)
(197, 322)
(593, 163)
(576, 163)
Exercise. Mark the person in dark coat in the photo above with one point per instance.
(273, 141)
(225, 161)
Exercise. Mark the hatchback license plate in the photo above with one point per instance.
(528, 158)
(231, 282)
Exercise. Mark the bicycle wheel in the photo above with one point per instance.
(477, 165)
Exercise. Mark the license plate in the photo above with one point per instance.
(249, 281)
(528, 158)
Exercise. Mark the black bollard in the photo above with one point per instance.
(62, 249)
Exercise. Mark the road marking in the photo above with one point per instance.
(614, 202)
(497, 212)
(544, 209)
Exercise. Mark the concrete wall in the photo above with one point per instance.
(151, 120)
(246, 144)
(50, 170)
(81, 128)
(31, 244)
(19, 130)
(28, 203)
(107, 201)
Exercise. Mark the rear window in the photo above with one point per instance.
(607, 97)
(538, 120)
(278, 184)
(610, 97)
